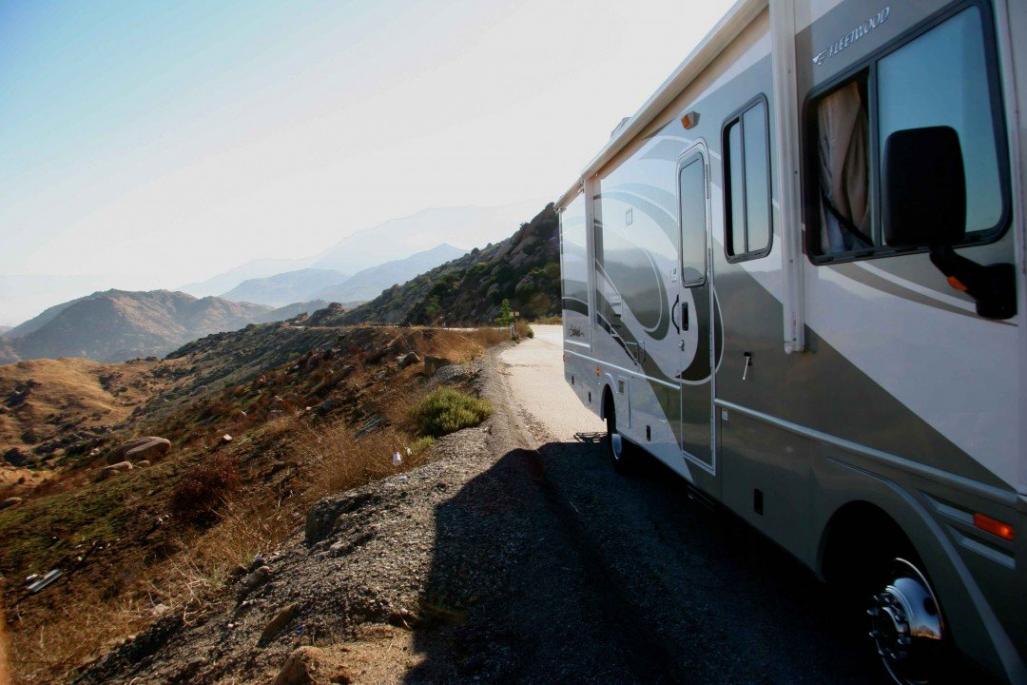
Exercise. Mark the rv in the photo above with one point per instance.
(796, 277)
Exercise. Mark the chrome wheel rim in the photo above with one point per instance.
(906, 625)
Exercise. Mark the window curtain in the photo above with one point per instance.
(843, 146)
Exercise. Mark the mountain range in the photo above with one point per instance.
(524, 269)
(115, 325)
(285, 288)
(464, 227)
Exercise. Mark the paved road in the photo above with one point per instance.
(632, 581)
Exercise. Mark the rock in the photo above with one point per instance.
(150, 447)
(16, 457)
(226, 438)
(111, 469)
(276, 624)
(311, 666)
(251, 581)
(10, 502)
(142, 463)
(408, 359)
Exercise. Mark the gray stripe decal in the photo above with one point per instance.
(1006, 497)
(877, 283)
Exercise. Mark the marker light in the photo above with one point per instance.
(598, 372)
(690, 120)
(993, 526)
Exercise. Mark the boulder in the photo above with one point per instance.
(311, 666)
(150, 447)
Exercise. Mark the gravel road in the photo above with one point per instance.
(618, 580)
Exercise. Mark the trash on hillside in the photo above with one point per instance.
(397, 459)
(49, 577)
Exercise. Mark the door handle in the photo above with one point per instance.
(672, 308)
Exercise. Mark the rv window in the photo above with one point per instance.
(692, 195)
(747, 184)
(939, 78)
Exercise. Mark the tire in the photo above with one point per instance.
(618, 450)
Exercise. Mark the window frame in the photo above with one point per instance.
(696, 153)
(725, 156)
(810, 157)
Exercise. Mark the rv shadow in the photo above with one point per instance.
(548, 567)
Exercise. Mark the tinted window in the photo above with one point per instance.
(940, 79)
(692, 192)
(747, 183)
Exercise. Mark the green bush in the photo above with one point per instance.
(421, 444)
(447, 410)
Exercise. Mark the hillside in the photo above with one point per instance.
(262, 422)
(524, 268)
(115, 325)
(286, 288)
(369, 283)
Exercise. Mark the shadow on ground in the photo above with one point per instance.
(550, 568)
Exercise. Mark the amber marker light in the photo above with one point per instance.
(598, 372)
(993, 526)
(690, 120)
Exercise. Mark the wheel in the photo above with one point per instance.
(906, 626)
(618, 449)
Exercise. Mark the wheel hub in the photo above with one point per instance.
(906, 625)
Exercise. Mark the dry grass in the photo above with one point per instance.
(80, 617)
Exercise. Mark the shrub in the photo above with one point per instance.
(203, 491)
(421, 444)
(447, 410)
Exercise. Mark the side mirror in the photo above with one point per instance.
(924, 205)
(924, 194)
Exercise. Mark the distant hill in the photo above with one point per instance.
(258, 268)
(286, 288)
(4, 329)
(369, 283)
(291, 310)
(115, 325)
(524, 268)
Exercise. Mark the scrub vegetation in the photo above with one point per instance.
(263, 422)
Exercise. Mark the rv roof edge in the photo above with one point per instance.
(726, 30)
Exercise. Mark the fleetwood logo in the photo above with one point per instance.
(852, 36)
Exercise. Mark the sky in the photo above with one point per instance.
(150, 144)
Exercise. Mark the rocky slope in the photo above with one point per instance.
(254, 426)
(524, 268)
(116, 325)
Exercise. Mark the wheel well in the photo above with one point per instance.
(607, 398)
(859, 536)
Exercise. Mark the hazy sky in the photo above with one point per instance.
(161, 142)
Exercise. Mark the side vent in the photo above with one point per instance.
(648, 433)
(757, 501)
(590, 397)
